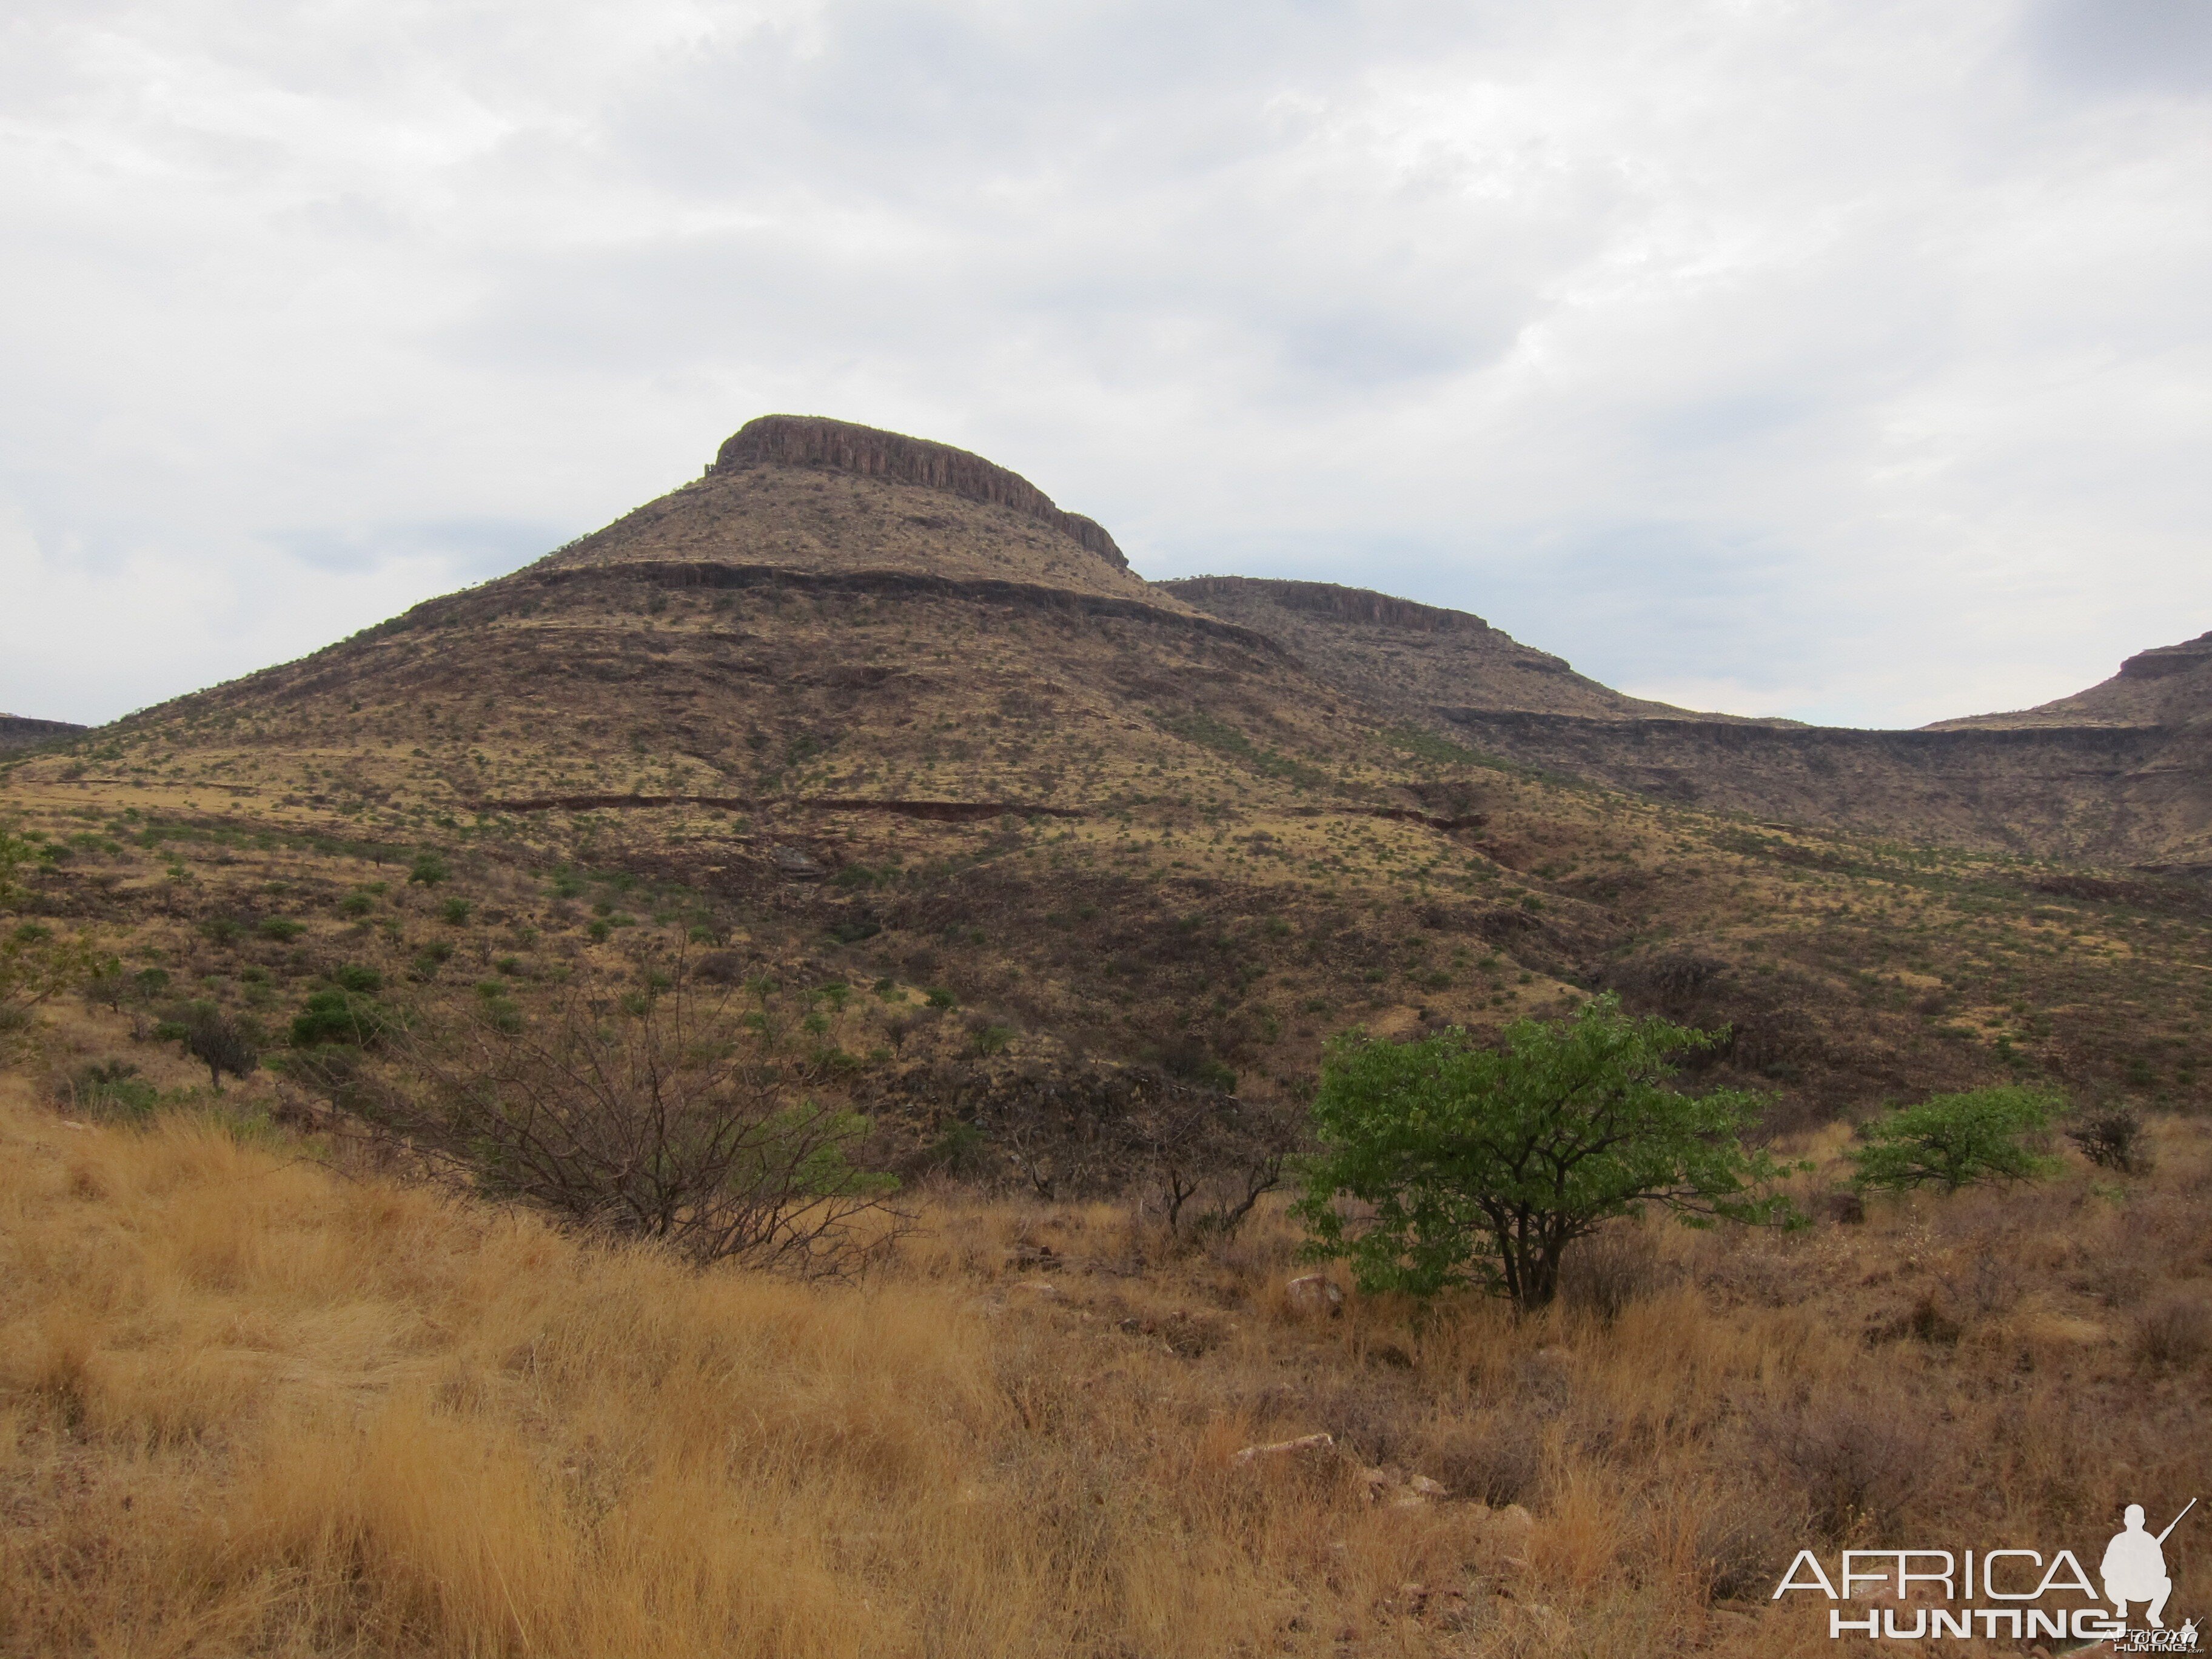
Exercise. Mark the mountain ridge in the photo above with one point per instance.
(2119, 773)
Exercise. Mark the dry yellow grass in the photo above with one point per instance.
(252, 1405)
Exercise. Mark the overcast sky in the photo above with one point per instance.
(1849, 360)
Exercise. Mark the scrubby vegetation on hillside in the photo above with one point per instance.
(409, 1057)
(249, 1404)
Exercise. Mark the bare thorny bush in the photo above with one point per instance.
(680, 1112)
(1203, 1159)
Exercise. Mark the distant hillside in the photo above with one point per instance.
(1403, 655)
(858, 788)
(17, 732)
(2119, 774)
(2164, 689)
(857, 710)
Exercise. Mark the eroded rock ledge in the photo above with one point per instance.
(708, 573)
(813, 440)
(1330, 599)
(2163, 661)
(942, 811)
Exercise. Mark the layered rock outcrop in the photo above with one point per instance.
(813, 440)
(2161, 662)
(1334, 600)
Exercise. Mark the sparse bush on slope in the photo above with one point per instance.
(248, 1407)
(677, 1113)
(1950, 1141)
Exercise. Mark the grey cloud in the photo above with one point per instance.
(2124, 45)
(1812, 346)
(472, 548)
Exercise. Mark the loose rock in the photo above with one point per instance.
(1304, 1442)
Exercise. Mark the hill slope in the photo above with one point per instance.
(2120, 774)
(855, 727)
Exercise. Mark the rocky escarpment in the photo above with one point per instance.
(1404, 655)
(18, 733)
(812, 441)
(2087, 793)
(2162, 661)
(1339, 603)
(2121, 773)
(2168, 686)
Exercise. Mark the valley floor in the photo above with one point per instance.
(257, 1400)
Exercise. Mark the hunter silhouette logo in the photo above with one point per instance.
(1926, 1587)
(2135, 1566)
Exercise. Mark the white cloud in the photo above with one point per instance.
(1846, 358)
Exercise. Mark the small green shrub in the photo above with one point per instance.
(340, 1017)
(427, 869)
(1957, 1140)
(111, 1089)
(456, 911)
(282, 929)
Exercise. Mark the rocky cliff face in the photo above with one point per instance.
(796, 497)
(1409, 656)
(810, 441)
(17, 732)
(2162, 662)
(1337, 603)
(2169, 686)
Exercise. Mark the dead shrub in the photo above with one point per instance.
(673, 1113)
(2176, 1332)
(1743, 1546)
(1603, 1274)
(1854, 1460)
(1495, 1459)
(1375, 1418)
(1930, 1321)
(2112, 1137)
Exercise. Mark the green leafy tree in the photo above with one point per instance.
(1955, 1140)
(1482, 1165)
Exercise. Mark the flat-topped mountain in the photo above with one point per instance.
(861, 709)
(797, 493)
